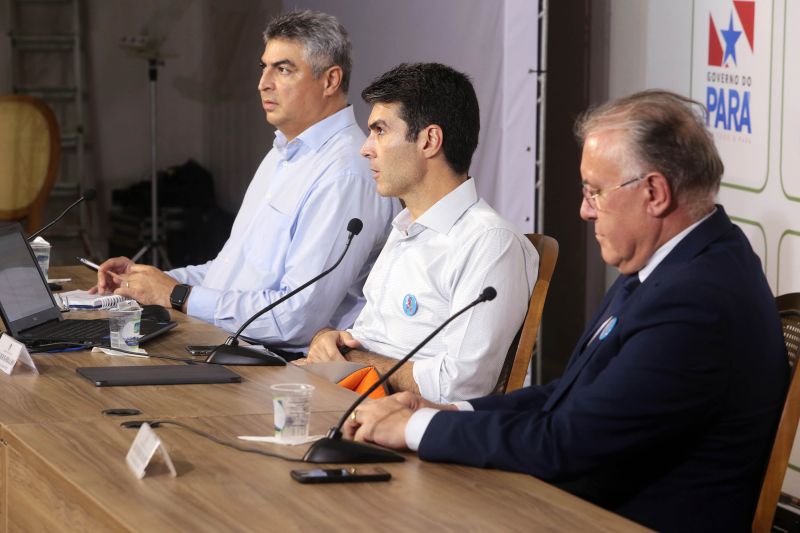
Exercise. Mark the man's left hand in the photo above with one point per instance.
(381, 421)
(147, 285)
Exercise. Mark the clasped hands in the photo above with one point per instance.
(144, 283)
(384, 421)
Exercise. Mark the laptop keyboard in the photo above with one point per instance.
(70, 330)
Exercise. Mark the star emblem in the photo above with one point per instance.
(731, 36)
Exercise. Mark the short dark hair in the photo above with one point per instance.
(324, 38)
(431, 93)
(666, 132)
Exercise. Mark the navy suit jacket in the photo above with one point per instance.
(668, 419)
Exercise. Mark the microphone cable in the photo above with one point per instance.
(75, 346)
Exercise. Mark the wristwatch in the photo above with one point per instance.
(178, 296)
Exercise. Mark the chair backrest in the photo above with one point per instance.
(29, 156)
(789, 308)
(515, 368)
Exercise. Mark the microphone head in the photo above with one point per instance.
(89, 194)
(355, 226)
(488, 294)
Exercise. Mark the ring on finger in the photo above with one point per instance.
(353, 416)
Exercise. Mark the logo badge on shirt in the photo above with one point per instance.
(608, 327)
(410, 304)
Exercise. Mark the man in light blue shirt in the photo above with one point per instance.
(292, 222)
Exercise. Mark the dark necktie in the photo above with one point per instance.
(608, 320)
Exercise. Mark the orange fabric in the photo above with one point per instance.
(361, 380)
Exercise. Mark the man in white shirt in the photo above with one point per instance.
(291, 225)
(668, 406)
(445, 248)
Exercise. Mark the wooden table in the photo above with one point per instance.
(63, 463)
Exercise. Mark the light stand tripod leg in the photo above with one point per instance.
(154, 245)
(152, 70)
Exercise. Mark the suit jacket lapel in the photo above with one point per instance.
(688, 248)
(580, 356)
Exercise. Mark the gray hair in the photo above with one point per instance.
(665, 132)
(324, 38)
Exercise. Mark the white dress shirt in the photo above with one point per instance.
(418, 423)
(292, 226)
(432, 267)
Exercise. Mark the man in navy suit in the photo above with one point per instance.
(667, 408)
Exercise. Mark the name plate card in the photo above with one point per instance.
(142, 450)
(12, 351)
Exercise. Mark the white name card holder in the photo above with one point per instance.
(142, 450)
(13, 351)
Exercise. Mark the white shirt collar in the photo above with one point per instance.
(441, 216)
(664, 250)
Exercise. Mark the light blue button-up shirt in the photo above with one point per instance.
(292, 226)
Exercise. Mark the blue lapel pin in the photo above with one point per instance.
(410, 304)
(608, 327)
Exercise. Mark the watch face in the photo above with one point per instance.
(178, 295)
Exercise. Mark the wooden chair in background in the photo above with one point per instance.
(29, 155)
(515, 368)
(789, 309)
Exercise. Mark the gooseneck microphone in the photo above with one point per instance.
(334, 449)
(88, 196)
(231, 353)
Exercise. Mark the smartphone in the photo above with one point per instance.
(196, 349)
(341, 475)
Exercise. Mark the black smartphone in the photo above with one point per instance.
(341, 475)
(196, 349)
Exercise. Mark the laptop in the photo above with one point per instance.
(30, 313)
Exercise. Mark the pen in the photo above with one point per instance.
(88, 263)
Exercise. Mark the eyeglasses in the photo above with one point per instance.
(593, 196)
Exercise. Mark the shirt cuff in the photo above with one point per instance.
(426, 376)
(418, 423)
(202, 303)
(178, 274)
(464, 406)
(416, 426)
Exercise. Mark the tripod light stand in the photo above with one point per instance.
(147, 47)
(155, 246)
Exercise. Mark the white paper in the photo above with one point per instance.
(112, 351)
(277, 440)
(143, 448)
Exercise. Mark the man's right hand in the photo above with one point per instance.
(326, 346)
(107, 281)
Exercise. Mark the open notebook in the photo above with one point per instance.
(84, 300)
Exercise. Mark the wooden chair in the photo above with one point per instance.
(515, 368)
(789, 308)
(29, 155)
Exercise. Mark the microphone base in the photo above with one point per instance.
(240, 356)
(336, 451)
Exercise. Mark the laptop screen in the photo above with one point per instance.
(25, 299)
